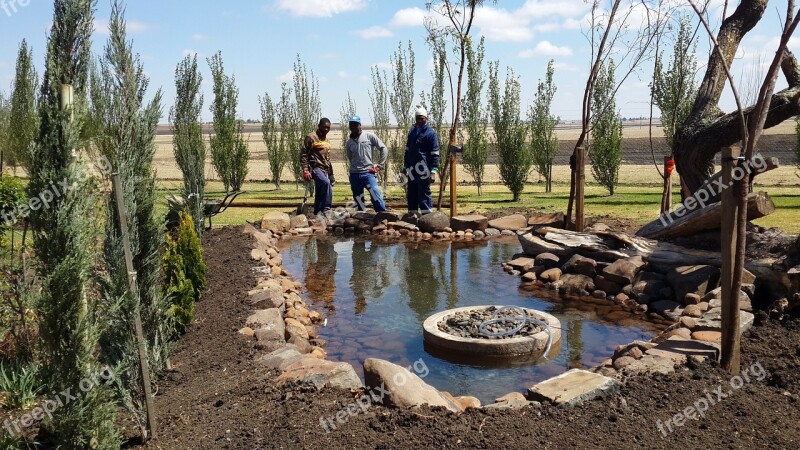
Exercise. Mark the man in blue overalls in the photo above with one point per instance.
(421, 164)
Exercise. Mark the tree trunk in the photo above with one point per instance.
(707, 129)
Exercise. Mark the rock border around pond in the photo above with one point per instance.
(286, 331)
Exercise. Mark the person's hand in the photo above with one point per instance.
(433, 177)
(374, 169)
(307, 175)
(332, 180)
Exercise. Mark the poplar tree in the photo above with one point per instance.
(606, 142)
(64, 240)
(348, 109)
(229, 149)
(271, 134)
(544, 143)
(401, 98)
(476, 144)
(514, 157)
(675, 89)
(23, 122)
(308, 112)
(380, 99)
(187, 140)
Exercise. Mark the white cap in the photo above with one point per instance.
(420, 112)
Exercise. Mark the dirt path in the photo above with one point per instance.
(218, 398)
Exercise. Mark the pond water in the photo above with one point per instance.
(376, 296)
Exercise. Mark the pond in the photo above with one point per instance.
(377, 294)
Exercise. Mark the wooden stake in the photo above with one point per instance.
(730, 357)
(453, 193)
(666, 198)
(144, 365)
(580, 184)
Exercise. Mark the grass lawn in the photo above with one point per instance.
(635, 202)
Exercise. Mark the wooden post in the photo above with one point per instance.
(730, 357)
(666, 198)
(580, 184)
(144, 365)
(442, 178)
(453, 193)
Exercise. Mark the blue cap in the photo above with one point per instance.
(355, 118)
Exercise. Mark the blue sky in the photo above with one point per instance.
(340, 40)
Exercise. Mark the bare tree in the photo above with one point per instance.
(707, 129)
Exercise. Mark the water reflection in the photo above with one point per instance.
(370, 275)
(320, 257)
(382, 293)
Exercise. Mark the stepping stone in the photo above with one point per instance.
(679, 345)
(573, 388)
(712, 321)
(472, 222)
(320, 373)
(513, 222)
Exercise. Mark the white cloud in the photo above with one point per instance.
(545, 48)
(198, 37)
(501, 25)
(132, 26)
(409, 17)
(375, 32)
(566, 67)
(547, 27)
(364, 78)
(535, 9)
(285, 77)
(319, 8)
(342, 74)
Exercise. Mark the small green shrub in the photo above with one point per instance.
(19, 384)
(191, 250)
(178, 288)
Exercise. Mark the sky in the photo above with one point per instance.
(341, 40)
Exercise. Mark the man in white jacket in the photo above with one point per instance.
(363, 169)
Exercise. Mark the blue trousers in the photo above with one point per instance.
(418, 194)
(323, 192)
(361, 181)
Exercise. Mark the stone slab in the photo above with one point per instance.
(573, 388)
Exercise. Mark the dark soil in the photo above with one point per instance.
(218, 398)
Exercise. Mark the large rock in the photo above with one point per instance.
(295, 328)
(547, 260)
(648, 286)
(276, 221)
(581, 265)
(271, 297)
(577, 285)
(623, 271)
(389, 216)
(514, 222)
(280, 358)
(573, 388)
(267, 319)
(693, 280)
(712, 321)
(667, 308)
(609, 287)
(400, 388)
(299, 221)
(555, 220)
(470, 222)
(319, 374)
(522, 264)
(433, 222)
